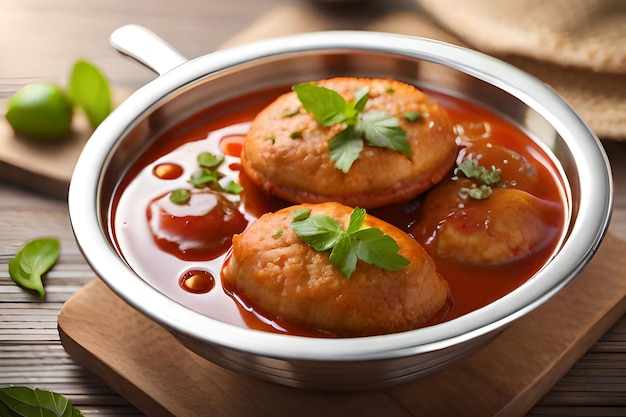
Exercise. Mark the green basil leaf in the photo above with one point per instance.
(203, 177)
(369, 245)
(301, 214)
(360, 99)
(412, 116)
(327, 106)
(89, 89)
(26, 402)
(209, 160)
(343, 256)
(33, 260)
(6, 412)
(471, 169)
(356, 220)
(319, 231)
(374, 247)
(233, 188)
(180, 196)
(384, 131)
(477, 193)
(345, 148)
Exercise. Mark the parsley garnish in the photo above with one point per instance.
(346, 247)
(412, 116)
(485, 177)
(209, 176)
(209, 160)
(477, 193)
(471, 169)
(329, 108)
(180, 196)
(296, 134)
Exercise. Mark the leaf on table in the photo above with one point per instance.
(26, 402)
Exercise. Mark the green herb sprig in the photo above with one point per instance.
(180, 196)
(330, 108)
(207, 176)
(370, 245)
(32, 261)
(486, 178)
(26, 402)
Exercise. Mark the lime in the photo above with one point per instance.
(40, 111)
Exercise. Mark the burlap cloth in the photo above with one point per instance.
(578, 47)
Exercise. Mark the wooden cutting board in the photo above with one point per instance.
(40, 166)
(145, 364)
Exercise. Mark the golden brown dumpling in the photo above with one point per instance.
(508, 225)
(299, 169)
(288, 280)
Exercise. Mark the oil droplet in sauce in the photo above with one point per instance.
(197, 281)
(168, 171)
(232, 145)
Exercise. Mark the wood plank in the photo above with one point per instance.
(148, 366)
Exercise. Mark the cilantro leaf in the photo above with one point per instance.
(180, 196)
(369, 245)
(485, 177)
(477, 193)
(356, 220)
(203, 177)
(209, 160)
(383, 130)
(345, 148)
(374, 247)
(330, 108)
(412, 116)
(327, 106)
(301, 214)
(471, 169)
(318, 231)
(233, 188)
(360, 99)
(343, 256)
(208, 176)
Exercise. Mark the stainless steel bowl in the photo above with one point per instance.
(184, 87)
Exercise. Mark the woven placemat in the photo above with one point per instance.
(578, 47)
(598, 97)
(589, 34)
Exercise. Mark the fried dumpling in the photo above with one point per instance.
(286, 151)
(284, 278)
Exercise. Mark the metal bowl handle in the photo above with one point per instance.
(146, 48)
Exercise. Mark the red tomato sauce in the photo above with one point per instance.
(187, 267)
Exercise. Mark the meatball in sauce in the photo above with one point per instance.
(286, 279)
(286, 151)
(506, 226)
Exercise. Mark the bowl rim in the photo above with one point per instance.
(584, 239)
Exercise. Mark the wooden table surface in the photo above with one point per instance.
(39, 40)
